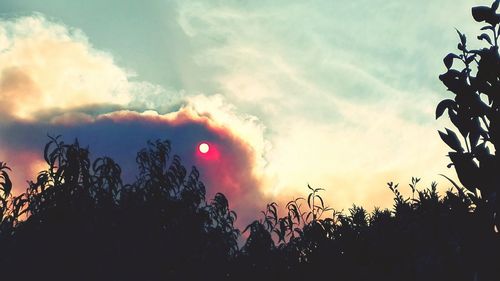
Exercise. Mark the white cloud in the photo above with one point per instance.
(347, 90)
(46, 65)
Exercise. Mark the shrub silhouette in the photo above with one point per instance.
(79, 221)
(475, 112)
(426, 237)
(83, 223)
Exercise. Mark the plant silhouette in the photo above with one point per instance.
(426, 237)
(474, 111)
(84, 223)
(78, 221)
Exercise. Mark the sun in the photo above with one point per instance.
(203, 147)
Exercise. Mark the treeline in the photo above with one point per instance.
(78, 221)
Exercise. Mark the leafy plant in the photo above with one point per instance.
(475, 111)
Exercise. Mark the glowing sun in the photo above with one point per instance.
(203, 148)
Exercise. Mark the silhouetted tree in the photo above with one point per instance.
(475, 112)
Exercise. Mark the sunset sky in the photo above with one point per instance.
(337, 94)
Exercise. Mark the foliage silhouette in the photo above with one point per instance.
(79, 221)
(83, 223)
(475, 112)
(423, 238)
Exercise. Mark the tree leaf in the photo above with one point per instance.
(463, 39)
(486, 37)
(488, 27)
(451, 140)
(321, 200)
(480, 13)
(7, 185)
(460, 121)
(467, 170)
(250, 226)
(494, 6)
(487, 14)
(453, 80)
(448, 60)
(475, 132)
(443, 105)
(470, 59)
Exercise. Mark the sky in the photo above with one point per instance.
(336, 94)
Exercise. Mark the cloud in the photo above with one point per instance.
(343, 95)
(52, 81)
(347, 90)
(48, 66)
(121, 134)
